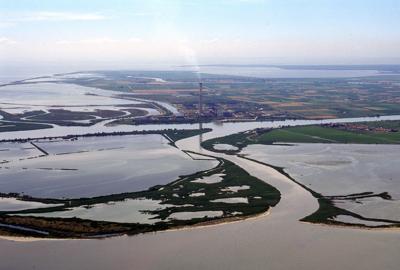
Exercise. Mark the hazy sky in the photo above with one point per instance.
(121, 33)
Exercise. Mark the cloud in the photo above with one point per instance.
(7, 41)
(210, 41)
(135, 40)
(6, 24)
(51, 16)
(100, 41)
(146, 14)
(93, 41)
(178, 50)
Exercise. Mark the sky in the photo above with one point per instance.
(127, 33)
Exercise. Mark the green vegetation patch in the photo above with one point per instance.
(171, 134)
(327, 212)
(311, 134)
(320, 134)
(260, 195)
(6, 126)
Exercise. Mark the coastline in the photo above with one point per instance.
(353, 227)
(219, 222)
(201, 225)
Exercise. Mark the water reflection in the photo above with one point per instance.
(93, 166)
(201, 135)
(341, 169)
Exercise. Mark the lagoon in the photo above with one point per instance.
(341, 169)
(94, 166)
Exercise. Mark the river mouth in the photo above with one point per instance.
(61, 148)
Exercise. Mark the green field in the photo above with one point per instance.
(318, 134)
(263, 99)
(308, 134)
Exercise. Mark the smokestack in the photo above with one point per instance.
(200, 100)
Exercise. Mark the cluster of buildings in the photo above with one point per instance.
(361, 127)
(239, 111)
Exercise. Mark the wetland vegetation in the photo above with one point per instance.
(332, 208)
(328, 208)
(178, 196)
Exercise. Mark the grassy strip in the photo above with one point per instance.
(306, 134)
(319, 134)
(174, 134)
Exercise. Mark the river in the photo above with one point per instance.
(275, 241)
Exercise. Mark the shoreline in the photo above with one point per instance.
(281, 171)
(353, 227)
(105, 134)
(219, 222)
(201, 225)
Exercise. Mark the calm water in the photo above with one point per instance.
(60, 94)
(12, 204)
(20, 98)
(94, 166)
(128, 210)
(342, 169)
(275, 72)
(220, 129)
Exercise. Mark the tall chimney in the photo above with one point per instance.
(200, 100)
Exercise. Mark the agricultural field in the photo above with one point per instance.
(152, 97)
(386, 132)
(240, 97)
